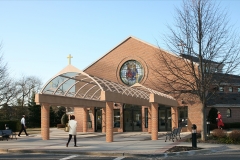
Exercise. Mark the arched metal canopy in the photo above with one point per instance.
(74, 83)
(78, 84)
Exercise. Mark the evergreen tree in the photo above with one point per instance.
(34, 117)
(61, 111)
(212, 115)
(64, 119)
(7, 111)
(52, 117)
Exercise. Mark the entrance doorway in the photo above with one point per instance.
(132, 118)
(98, 120)
(164, 118)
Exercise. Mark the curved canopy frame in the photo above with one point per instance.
(78, 84)
(149, 90)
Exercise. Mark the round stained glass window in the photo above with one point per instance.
(131, 72)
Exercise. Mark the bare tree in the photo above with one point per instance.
(25, 87)
(205, 46)
(5, 82)
(18, 94)
(10, 92)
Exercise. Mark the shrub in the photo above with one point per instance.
(226, 140)
(234, 135)
(219, 133)
(14, 125)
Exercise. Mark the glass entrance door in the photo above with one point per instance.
(169, 119)
(132, 118)
(164, 119)
(98, 120)
(137, 120)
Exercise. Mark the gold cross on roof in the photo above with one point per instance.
(69, 58)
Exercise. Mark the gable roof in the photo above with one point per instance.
(125, 40)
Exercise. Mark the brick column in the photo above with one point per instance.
(143, 119)
(85, 119)
(103, 120)
(45, 115)
(79, 118)
(174, 117)
(154, 108)
(109, 121)
(149, 120)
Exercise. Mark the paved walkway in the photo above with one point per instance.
(124, 144)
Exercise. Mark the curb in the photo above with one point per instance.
(118, 154)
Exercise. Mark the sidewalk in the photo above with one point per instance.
(124, 144)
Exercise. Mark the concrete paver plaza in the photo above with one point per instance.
(124, 144)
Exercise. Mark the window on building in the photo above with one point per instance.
(229, 113)
(238, 90)
(182, 116)
(116, 118)
(146, 117)
(230, 89)
(89, 119)
(221, 89)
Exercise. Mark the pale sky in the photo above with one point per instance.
(37, 36)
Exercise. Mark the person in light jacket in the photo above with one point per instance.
(23, 128)
(72, 130)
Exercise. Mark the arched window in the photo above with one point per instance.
(229, 113)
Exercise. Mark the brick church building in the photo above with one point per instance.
(117, 93)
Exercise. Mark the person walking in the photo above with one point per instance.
(23, 124)
(220, 123)
(72, 130)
